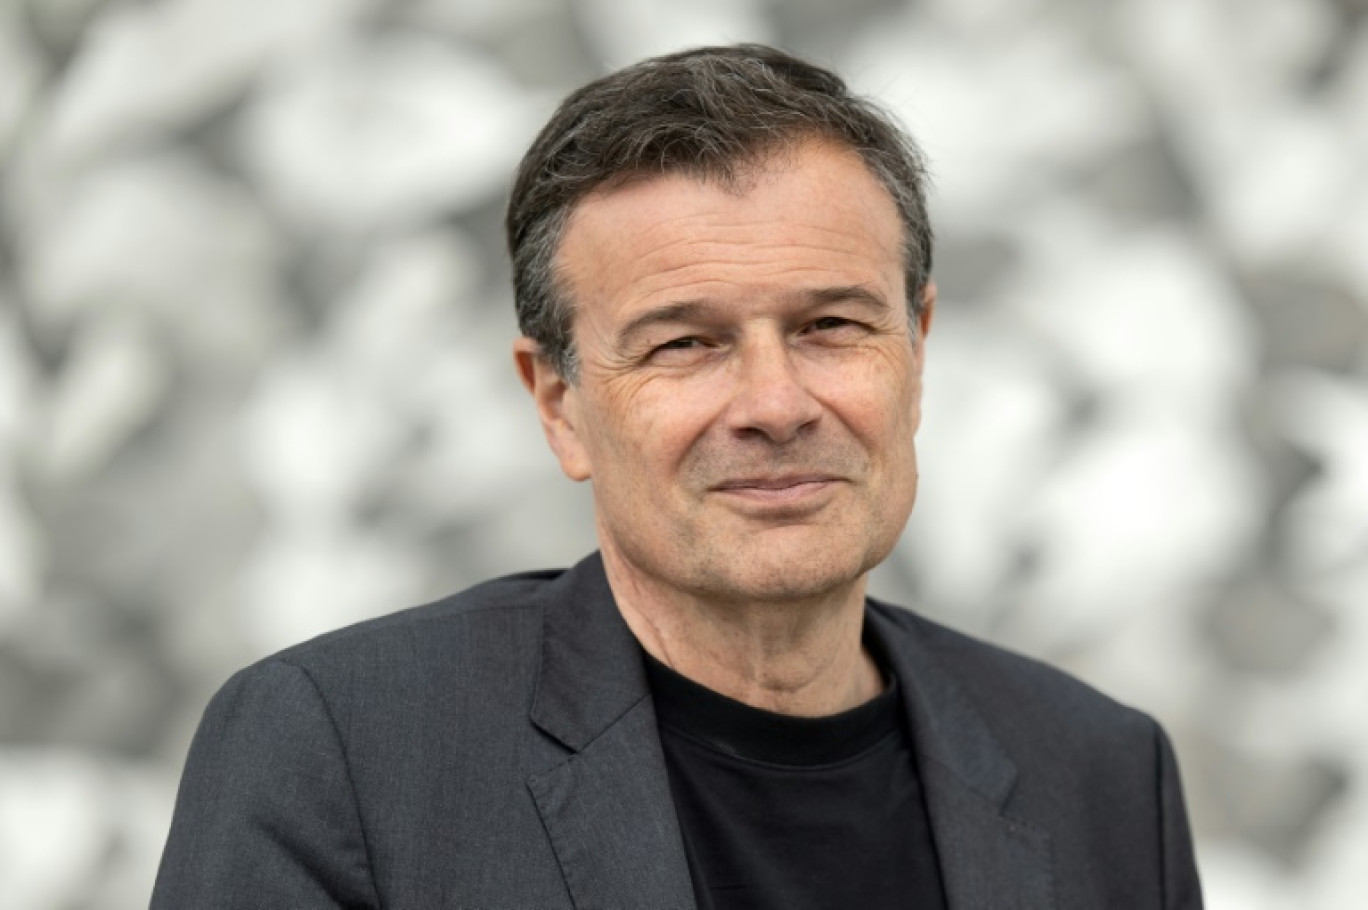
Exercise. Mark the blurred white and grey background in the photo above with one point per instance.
(255, 380)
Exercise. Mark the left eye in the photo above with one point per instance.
(831, 324)
(679, 344)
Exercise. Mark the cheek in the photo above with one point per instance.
(914, 407)
(648, 427)
(882, 406)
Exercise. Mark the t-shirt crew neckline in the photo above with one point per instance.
(742, 731)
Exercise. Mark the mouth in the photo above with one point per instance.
(792, 489)
(783, 482)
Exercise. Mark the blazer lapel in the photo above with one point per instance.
(608, 808)
(988, 859)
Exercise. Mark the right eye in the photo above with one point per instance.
(680, 351)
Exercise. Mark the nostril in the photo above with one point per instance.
(779, 409)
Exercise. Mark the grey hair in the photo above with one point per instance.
(711, 113)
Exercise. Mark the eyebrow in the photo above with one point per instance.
(856, 293)
(701, 310)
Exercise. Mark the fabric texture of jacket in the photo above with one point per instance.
(498, 750)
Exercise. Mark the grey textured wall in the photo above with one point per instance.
(255, 381)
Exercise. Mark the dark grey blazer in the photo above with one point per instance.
(498, 749)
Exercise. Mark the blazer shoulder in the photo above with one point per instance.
(497, 602)
(1010, 685)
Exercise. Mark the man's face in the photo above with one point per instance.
(749, 385)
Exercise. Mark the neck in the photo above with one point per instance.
(801, 657)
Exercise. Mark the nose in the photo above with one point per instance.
(769, 397)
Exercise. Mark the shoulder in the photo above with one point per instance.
(508, 602)
(1015, 692)
(486, 635)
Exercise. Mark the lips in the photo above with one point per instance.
(775, 484)
(785, 498)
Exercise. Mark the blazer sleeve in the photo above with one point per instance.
(266, 815)
(1182, 888)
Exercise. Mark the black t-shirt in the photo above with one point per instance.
(793, 813)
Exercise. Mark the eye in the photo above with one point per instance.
(679, 351)
(680, 344)
(835, 327)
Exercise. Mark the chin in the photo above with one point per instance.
(778, 575)
(791, 589)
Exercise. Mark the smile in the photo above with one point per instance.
(797, 490)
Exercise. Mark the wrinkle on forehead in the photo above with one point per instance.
(823, 223)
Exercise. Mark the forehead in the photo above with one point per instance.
(805, 218)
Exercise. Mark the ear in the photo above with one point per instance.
(924, 319)
(928, 310)
(557, 405)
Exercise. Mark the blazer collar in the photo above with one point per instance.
(948, 729)
(987, 857)
(591, 669)
(607, 808)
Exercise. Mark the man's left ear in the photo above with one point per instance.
(557, 406)
(928, 309)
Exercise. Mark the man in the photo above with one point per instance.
(722, 265)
